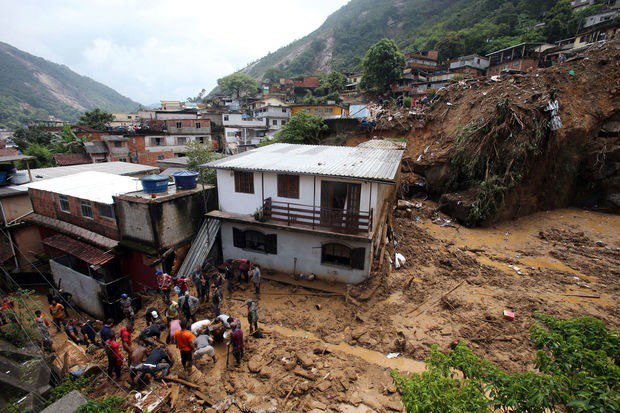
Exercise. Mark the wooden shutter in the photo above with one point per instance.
(271, 244)
(358, 256)
(238, 238)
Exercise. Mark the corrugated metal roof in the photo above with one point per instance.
(92, 186)
(68, 159)
(116, 168)
(338, 161)
(382, 144)
(81, 250)
(71, 229)
(95, 147)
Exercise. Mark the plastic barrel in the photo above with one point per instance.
(153, 184)
(185, 179)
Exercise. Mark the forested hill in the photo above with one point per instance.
(456, 27)
(32, 88)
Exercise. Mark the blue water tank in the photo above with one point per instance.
(153, 184)
(185, 179)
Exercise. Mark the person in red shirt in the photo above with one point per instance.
(126, 338)
(236, 339)
(164, 282)
(185, 343)
(180, 285)
(115, 358)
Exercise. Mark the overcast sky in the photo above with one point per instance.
(158, 49)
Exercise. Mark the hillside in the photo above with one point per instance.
(455, 27)
(32, 88)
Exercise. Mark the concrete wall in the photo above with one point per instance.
(16, 206)
(27, 240)
(85, 290)
(134, 221)
(241, 203)
(306, 247)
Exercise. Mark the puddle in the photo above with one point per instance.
(401, 364)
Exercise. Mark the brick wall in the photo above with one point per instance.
(47, 204)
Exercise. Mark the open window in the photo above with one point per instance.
(343, 255)
(255, 241)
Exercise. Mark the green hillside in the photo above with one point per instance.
(32, 88)
(455, 27)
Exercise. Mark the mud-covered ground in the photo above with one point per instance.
(325, 353)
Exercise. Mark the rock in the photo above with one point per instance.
(600, 244)
(390, 388)
(305, 359)
(321, 350)
(357, 333)
(324, 385)
(255, 364)
(393, 405)
(315, 404)
(266, 373)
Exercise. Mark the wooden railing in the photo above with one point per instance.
(337, 220)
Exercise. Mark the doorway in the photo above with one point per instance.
(340, 204)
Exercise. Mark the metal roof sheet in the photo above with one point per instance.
(93, 186)
(79, 249)
(116, 168)
(73, 230)
(339, 161)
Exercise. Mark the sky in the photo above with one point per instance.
(158, 49)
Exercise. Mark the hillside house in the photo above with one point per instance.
(519, 58)
(274, 116)
(324, 111)
(469, 66)
(242, 129)
(304, 209)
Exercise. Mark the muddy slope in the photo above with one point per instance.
(486, 148)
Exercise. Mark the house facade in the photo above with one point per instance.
(303, 209)
(274, 116)
(323, 111)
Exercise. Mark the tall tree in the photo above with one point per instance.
(198, 154)
(332, 82)
(383, 64)
(302, 128)
(238, 85)
(24, 137)
(96, 119)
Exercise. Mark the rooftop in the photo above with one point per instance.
(93, 186)
(14, 158)
(116, 168)
(338, 161)
(67, 159)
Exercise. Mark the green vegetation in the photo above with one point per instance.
(96, 119)
(110, 404)
(20, 333)
(68, 142)
(238, 85)
(198, 154)
(69, 383)
(302, 128)
(455, 28)
(25, 95)
(383, 64)
(578, 371)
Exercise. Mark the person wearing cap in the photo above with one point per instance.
(151, 316)
(126, 306)
(189, 305)
(164, 283)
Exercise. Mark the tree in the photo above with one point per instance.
(96, 119)
(238, 84)
(198, 99)
(274, 74)
(333, 82)
(198, 154)
(383, 64)
(24, 137)
(68, 141)
(302, 128)
(43, 155)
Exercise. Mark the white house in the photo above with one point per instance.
(242, 129)
(304, 209)
(274, 116)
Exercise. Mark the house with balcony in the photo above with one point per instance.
(518, 58)
(327, 111)
(305, 209)
(274, 116)
(242, 129)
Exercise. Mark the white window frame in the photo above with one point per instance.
(64, 199)
(86, 206)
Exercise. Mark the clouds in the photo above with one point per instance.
(159, 49)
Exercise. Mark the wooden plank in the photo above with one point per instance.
(174, 395)
(203, 397)
(185, 383)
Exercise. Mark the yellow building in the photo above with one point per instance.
(323, 111)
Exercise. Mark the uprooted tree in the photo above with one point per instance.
(578, 363)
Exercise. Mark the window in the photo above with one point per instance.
(181, 140)
(274, 122)
(198, 126)
(157, 141)
(283, 110)
(340, 254)
(283, 122)
(122, 159)
(160, 157)
(225, 117)
(107, 211)
(288, 186)
(179, 125)
(129, 117)
(118, 144)
(87, 210)
(329, 110)
(63, 203)
(244, 182)
(255, 241)
(201, 139)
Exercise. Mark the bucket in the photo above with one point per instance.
(185, 179)
(154, 184)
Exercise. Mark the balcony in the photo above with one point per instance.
(308, 216)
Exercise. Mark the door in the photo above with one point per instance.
(340, 204)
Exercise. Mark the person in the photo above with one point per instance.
(185, 343)
(234, 323)
(43, 326)
(204, 345)
(216, 279)
(64, 298)
(222, 318)
(115, 359)
(72, 332)
(151, 315)
(236, 339)
(172, 311)
(157, 360)
(252, 315)
(399, 100)
(244, 267)
(204, 287)
(256, 276)
(164, 283)
(216, 300)
(230, 279)
(175, 325)
(89, 332)
(137, 356)
(57, 311)
(196, 275)
(180, 286)
(152, 331)
(106, 330)
(126, 338)
(126, 306)
(200, 327)
(188, 305)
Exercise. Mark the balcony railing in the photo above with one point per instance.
(336, 220)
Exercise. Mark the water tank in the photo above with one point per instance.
(153, 184)
(185, 179)
(20, 177)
